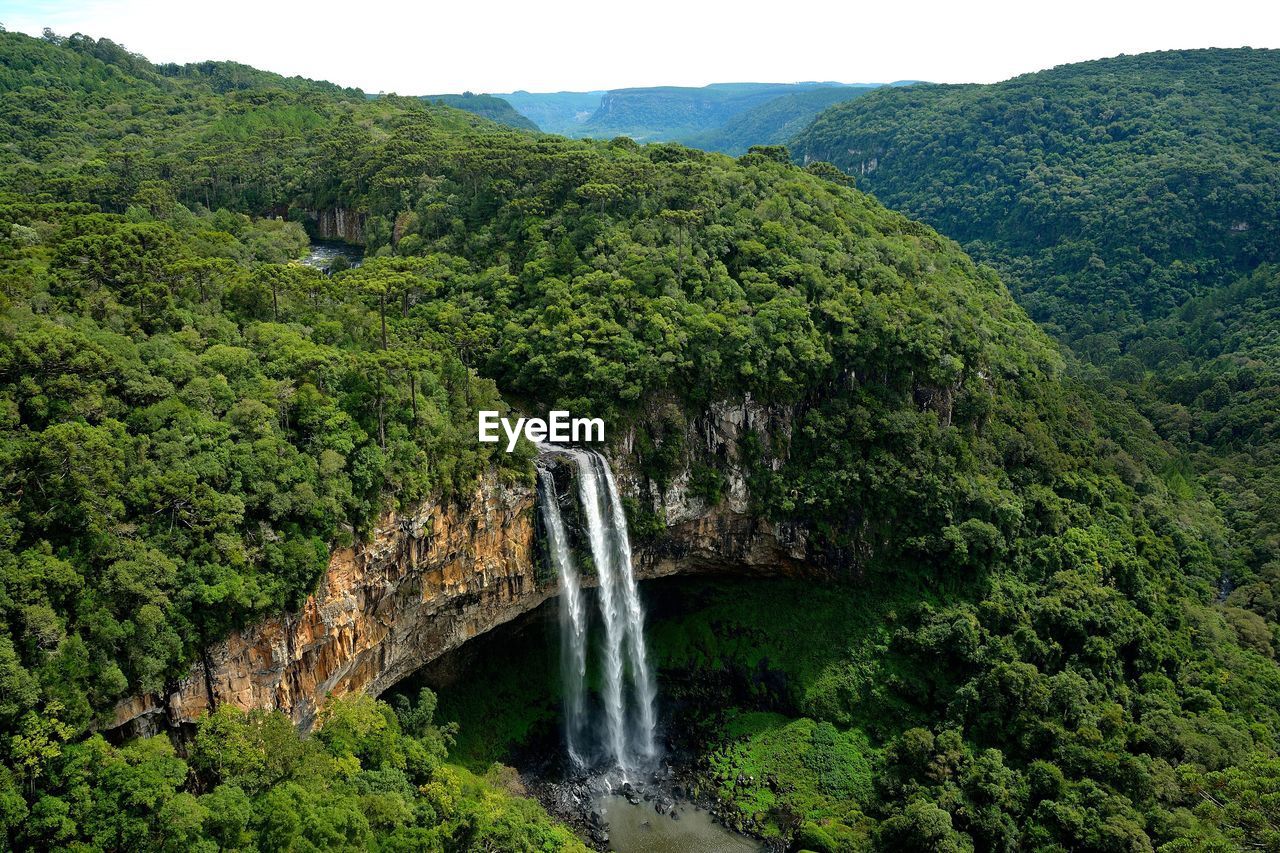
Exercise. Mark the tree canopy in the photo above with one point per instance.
(190, 421)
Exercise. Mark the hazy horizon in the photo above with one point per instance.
(570, 48)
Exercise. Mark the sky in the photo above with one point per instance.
(431, 47)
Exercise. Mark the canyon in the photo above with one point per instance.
(430, 577)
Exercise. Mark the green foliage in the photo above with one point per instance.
(1131, 204)
(988, 719)
(1107, 192)
(488, 106)
(253, 783)
(770, 764)
(189, 422)
(1208, 377)
(187, 433)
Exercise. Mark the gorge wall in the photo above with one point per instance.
(433, 576)
(338, 223)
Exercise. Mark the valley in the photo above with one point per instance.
(936, 510)
(723, 117)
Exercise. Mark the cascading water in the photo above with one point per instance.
(628, 740)
(642, 676)
(573, 621)
(602, 557)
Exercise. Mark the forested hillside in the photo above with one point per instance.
(488, 106)
(189, 422)
(1133, 205)
(1107, 192)
(1209, 378)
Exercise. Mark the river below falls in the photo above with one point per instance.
(323, 253)
(504, 689)
(639, 828)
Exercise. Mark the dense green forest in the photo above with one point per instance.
(488, 106)
(1133, 205)
(1208, 376)
(1108, 192)
(1028, 650)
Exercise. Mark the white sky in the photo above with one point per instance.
(548, 45)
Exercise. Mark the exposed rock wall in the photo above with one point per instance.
(433, 577)
(339, 223)
(428, 580)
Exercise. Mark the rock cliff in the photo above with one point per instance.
(338, 223)
(433, 576)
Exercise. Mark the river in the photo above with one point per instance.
(324, 252)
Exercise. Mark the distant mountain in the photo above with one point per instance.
(775, 121)
(491, 107)
(699, 116)
(677, 113)
(555, 112)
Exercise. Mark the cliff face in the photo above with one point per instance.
(427, 581)
(339, 223)
(435, 576)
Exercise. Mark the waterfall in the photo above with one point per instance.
(573, 620)
(628, 692)
(633, 615)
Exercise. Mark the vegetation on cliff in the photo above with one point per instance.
(188, 421)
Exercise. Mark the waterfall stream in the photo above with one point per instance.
(633, 616)
(573, 620)
(628, 692)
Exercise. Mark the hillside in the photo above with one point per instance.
(1209, 375)
(1108, 192)
(487, 106)
(774, 122)
(1020, 631)
(1121, 199)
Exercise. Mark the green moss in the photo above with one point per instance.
(772, 766)
(822, 651)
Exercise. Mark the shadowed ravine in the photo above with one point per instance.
(507, 692)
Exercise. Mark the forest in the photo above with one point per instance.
(494, 109)
(1133, 207)
(1056, 628)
